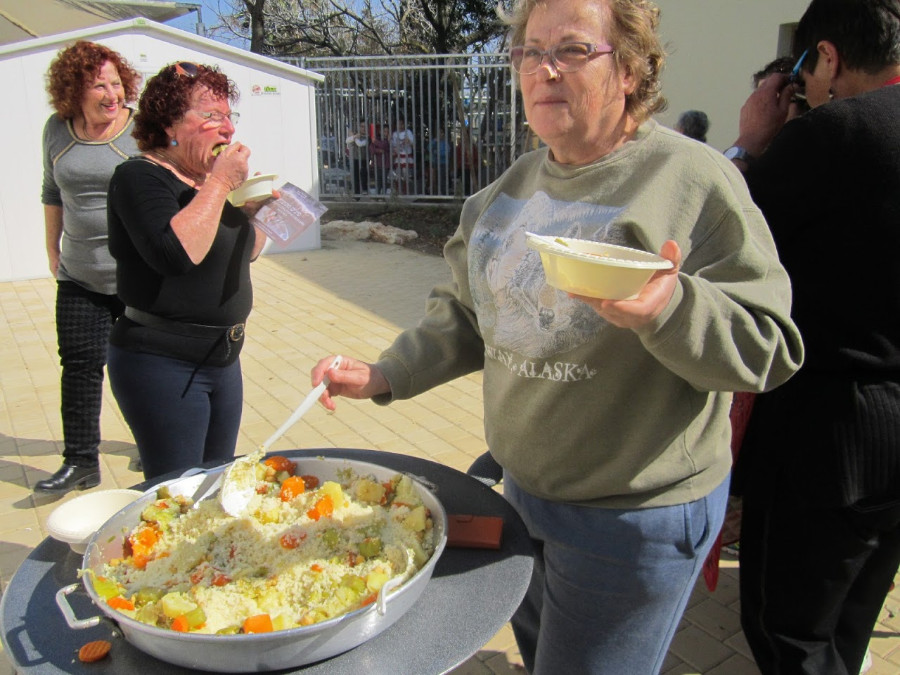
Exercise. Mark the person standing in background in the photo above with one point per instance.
(439, 163)
(820, 463)
(83, 142)
(380, 148)
(358, 151)
(693, 124)
(403, 156)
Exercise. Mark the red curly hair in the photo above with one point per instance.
(74, 70)
(167, 97)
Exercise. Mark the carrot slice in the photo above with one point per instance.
(323, 507)
(292, 487)
(94, 651)
(261, 623)
(118, 602)
(180, 623)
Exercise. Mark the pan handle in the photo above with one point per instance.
(66, 609)
(381, 603)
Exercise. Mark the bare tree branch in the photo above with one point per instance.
(361, 27)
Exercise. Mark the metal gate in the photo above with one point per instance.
(436, 127)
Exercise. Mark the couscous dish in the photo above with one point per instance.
(303, 552)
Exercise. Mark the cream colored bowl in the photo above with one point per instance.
(76, 520)
(253, 189)
(595, 269)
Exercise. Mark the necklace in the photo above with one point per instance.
(109, 131)
(193, 179)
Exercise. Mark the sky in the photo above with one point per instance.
(210, 14)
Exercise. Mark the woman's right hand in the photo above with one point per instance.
(352, 378)
(232, 166)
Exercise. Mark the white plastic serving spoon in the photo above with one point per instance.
(239, 481)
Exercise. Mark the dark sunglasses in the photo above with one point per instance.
(187, 69)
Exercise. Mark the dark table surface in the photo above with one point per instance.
(470, 596)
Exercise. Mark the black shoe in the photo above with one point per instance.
(70, 478)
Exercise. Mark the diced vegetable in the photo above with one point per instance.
(355, 583)
(406, 491)
(369, 491)
(118, 602)
(416, 520)
(312, 482)
(282, 622)
(148, 594)
(220, 579)
(175, 604)
(142, 543)
(261, 623)
(290, 540)
(324, 507)
(280, 463)
(196, 618)
(370, 546)
(291, 488)
(376, 579)
(106, 589)
(180, 623)
(333, 490)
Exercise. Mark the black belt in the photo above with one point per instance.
(199, 330)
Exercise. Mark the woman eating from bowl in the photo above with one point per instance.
(83, 142)
(183, 256)
(609, 417)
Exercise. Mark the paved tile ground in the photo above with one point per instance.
(351, 298)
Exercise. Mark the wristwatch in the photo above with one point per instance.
(737, 152)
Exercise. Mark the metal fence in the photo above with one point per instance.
(461, 112)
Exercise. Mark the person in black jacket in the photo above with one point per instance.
(820, 465)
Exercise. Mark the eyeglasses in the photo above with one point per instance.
(566, 57)
(794, 77)
(217, 118)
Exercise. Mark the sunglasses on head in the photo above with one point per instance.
(187, 69)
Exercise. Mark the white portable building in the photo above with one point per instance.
(278, 123)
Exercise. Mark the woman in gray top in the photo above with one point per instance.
(84, 140)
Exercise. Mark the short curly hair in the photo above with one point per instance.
(74, 70)
(167, 97)
(632, 34)
(693, 124)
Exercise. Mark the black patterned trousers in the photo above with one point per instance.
(84, 320)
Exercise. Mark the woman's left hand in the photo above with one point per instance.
(652, 300)
(251, 208)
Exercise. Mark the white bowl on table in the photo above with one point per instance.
(595, 269)
(76, 520)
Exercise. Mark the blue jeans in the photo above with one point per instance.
(609, 585)
(180, 414)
